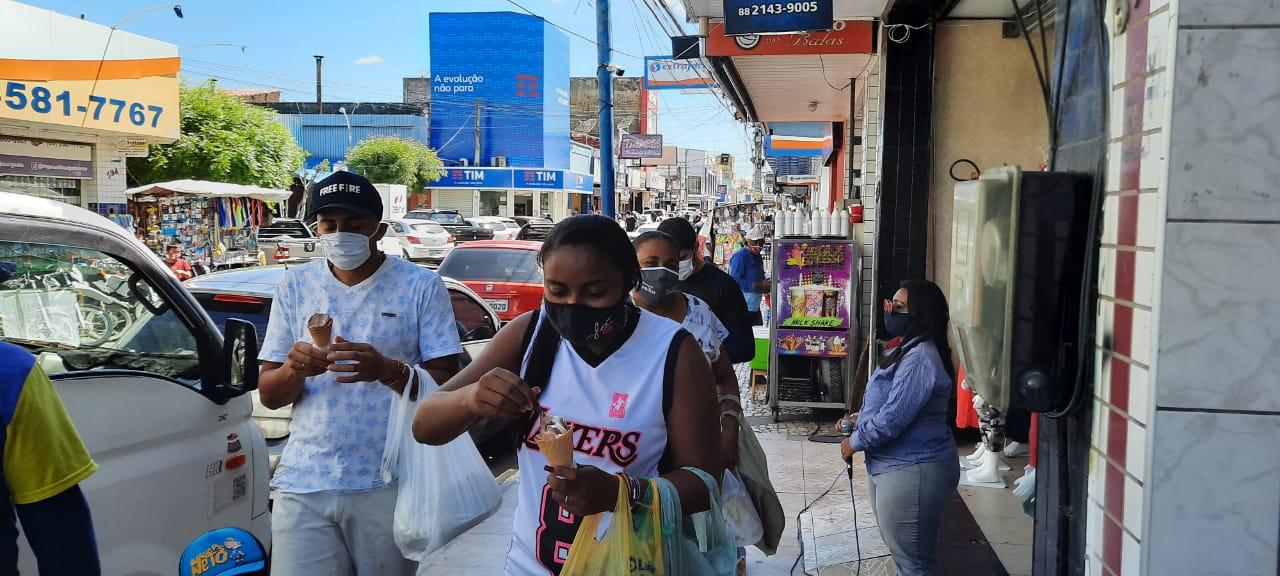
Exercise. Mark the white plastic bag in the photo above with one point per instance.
(739, 512)
(444, 490)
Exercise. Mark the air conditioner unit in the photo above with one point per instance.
(464, 162)
(500, 161)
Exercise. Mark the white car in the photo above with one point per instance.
(641, 229)
(416, 240)
(503, 228)
(162, 403)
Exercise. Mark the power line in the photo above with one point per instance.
(570, 32)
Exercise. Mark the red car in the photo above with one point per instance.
(505, 273)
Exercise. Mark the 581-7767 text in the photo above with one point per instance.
(778, 8)
(41, 100)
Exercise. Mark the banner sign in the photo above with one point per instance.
(845, 37)
(25, 157)
(666, 73)
(817, 343)
(814, 284)
(636, 146)
(514, 179)
(773, 17)
(86, 76)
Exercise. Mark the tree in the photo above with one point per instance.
(224, 139)
(393, 160)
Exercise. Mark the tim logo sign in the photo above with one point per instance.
(527, 86)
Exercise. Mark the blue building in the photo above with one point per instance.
(328, 136)
(503, 77)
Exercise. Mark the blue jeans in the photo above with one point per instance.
(908, 504)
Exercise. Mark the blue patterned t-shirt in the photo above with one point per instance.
(338, 430)
(702, 324)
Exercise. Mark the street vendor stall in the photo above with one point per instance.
(213, 222)
(726, 227)
(814, 331)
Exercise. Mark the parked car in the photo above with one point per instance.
(248, 294)
(641, 229)
(655, 215)
(503, 272)
(523, 221)
(535, 230)
(417, 240)
(503, 228)
(163, 406)
(452, 221)
(288, 241)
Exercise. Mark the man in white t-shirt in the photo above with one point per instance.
(333, 515)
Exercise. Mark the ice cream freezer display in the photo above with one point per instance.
(814, 324)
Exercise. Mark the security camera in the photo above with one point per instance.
(617, 70)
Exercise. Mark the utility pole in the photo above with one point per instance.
(604, 76)
(319, 100)
(477, 154)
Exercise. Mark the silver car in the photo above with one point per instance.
(247, 294)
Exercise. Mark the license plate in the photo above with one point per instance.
(497, 305)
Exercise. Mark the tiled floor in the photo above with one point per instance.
(999, 514)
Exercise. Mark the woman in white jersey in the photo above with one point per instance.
(634, 384)
(659, 258)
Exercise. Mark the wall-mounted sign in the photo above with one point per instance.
(514, 179)
(845, 37)
(133, 147)
(640, 146)
(25, 157)
(771, 17)
(800, 180)
(666, 73)
(130, 87)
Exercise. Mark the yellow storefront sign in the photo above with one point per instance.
(70, 96)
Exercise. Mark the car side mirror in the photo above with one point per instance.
(240, 356)
(484, 332)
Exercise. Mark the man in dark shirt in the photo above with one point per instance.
(715, 287)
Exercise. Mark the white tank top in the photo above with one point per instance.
(619, 426)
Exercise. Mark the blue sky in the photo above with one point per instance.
(371, 44)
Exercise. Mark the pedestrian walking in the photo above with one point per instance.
(747, 269)
(631, 221)
(342, 335)
(713, 286)
(634, 386)
(912, 463)
(44, 463)
(659, 258)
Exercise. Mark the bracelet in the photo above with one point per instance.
(730, 413)
(401, 371)
(736, 399)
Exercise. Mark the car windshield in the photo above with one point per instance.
(284, 228)
(448, 218)
(428, 227)
(495, 226)
(493, 265)
(74, 308)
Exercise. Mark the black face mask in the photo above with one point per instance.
(658, 285)
(586, 325)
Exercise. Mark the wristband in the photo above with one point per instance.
(736, 399)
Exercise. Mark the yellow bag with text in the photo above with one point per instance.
(632, 544)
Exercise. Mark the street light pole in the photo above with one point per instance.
(343, 110)
(177, 11)
(604, 76)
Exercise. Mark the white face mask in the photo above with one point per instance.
(345, 250)
(686, 269)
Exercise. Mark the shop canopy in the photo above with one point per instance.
(211, 190)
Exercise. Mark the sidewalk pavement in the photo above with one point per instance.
(801, 470)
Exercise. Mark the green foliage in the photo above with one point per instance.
(392, 160)
(224, 139)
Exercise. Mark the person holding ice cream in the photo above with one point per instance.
(343, 335)
(591, 376)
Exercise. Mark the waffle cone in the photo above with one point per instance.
(321, 328)
(558, 450)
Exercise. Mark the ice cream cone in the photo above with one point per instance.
(321, 328)
(557, 448)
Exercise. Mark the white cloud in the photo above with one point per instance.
(369, 60)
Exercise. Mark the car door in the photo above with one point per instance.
(477, 322)
(390, 242)
(175, 457)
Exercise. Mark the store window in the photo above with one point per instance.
(61, 189)
(545, 203)
(493, 203)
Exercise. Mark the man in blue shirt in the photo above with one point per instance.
(747, 269)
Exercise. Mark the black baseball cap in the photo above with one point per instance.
(345, 191)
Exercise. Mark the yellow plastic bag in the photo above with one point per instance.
(632, 544)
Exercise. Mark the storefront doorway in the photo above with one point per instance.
(523, 205)
(493, 203)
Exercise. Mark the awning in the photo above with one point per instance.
(211, 190)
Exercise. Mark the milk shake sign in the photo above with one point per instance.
(456, 83)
